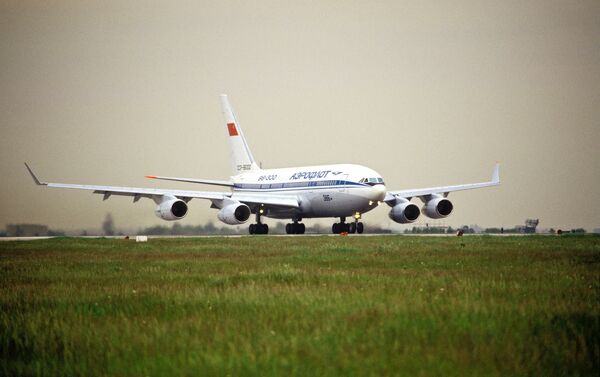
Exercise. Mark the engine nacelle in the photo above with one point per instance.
(234, 214)
(405, 212)
(173, 209)
(438, 208)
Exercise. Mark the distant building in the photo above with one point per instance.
(26, 230)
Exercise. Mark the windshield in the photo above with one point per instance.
(372, 181)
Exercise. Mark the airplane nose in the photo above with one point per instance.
(378, 192)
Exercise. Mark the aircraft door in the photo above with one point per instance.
(342, 181)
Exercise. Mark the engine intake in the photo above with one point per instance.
(438, 208)
(234, 214)
(405, 212)
(173, 209)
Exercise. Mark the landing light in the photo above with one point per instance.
(357, 215)
(261, 211)
(370, 202)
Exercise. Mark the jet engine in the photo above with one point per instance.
(404, 212)
(234, 213)
(438, 207)
(171, 209)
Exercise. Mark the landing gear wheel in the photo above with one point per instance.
(338, 228)
(258, 228)
(295, 228)
(360, 228)
(352, 228)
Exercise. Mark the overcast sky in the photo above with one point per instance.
(426, 93)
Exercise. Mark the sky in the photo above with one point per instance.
(426, 93)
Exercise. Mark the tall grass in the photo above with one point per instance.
(356, 306)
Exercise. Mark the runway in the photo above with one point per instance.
(132, 237)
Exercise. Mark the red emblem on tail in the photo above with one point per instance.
(232, 130)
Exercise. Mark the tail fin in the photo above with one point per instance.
(241, 157)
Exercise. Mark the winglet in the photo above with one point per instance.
(35, 179)
(496, 173)
(151, 176)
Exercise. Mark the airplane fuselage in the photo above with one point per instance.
(341, 190)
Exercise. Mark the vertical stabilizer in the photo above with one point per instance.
(241, 157)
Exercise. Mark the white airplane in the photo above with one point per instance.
(340, 191)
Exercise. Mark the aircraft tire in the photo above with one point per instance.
(352, 228)
(258, 229)
(360, 228)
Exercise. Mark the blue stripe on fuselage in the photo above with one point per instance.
(287, 186)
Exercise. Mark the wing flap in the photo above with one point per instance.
(192, 180)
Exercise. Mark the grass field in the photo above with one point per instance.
(351, 306)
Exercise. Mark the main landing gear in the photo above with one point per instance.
(258, 228)
(344, 227)
(295, 228)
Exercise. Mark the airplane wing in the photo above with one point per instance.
(191, 180)
(443, 190)
(155, 194)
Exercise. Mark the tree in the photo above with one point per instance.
(108, 226)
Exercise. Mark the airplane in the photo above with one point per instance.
(339, 191)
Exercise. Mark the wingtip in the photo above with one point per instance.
(35, 179)
(151, 176)
(496, 173)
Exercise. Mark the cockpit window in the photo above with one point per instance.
(371, 181)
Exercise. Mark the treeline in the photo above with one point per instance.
(436, 230)
(469, 230)
(278, 228)
(189, 230)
